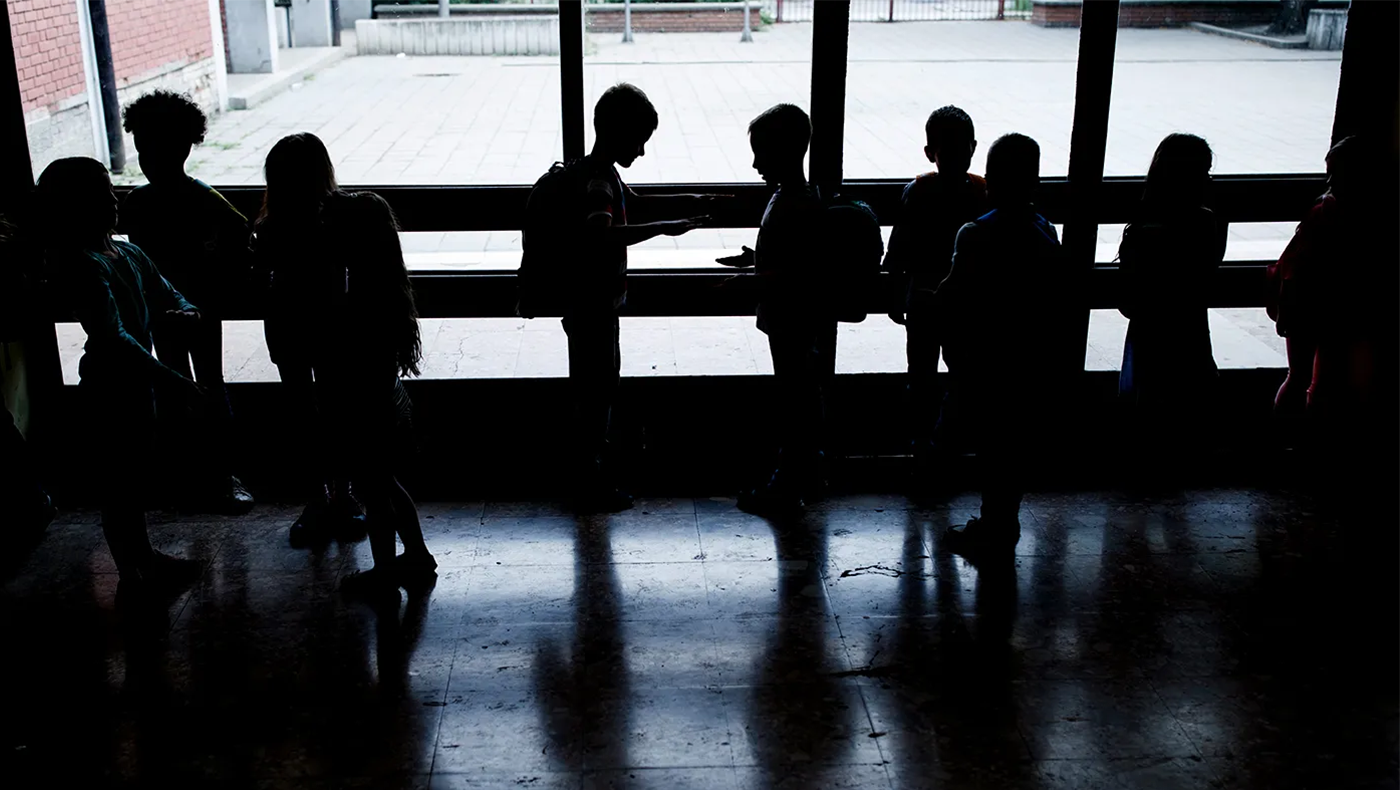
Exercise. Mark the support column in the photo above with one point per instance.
(1367, 100)
(1098, 40)
(311, 19)
(252, 36)
(571, 77)
(830, 26)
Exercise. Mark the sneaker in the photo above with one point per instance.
(239, 499)
(308, 528)
(981, 539)
(374, 585)
(415, 570)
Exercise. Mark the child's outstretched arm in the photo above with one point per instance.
(96, 310)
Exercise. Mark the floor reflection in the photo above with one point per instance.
(1222, 638)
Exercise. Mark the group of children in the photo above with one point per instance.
(982, 284)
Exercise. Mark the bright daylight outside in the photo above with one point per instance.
(478, 103)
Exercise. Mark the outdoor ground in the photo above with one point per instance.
(489, 120)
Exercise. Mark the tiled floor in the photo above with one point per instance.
(1205, 640)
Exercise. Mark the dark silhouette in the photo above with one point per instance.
(290, 247)
(1322, 293)
(575, 265)
(792, 309)
(371, 339)
(1331, 294)
(1168, 257)
(26, 506)
(1005, 308)
(116, 292)
(201, 244)
(933, 208)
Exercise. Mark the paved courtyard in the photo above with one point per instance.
(494, 120)
(484, 120)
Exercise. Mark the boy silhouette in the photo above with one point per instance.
(801, 331)
(933, 208)
(201, 244)
(116, 292)
(589, 205)
(1003, 304)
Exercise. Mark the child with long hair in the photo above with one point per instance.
(290, 248)
(1168, 256)
(345, 329)
(115, 291)
(374, 339)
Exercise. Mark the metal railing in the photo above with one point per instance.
(905, 10)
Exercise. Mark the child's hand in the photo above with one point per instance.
(676, 227)
(183, 315)
(741, 260)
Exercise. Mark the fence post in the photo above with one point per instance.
(444, 8)
(779, 16)
(747, 37)
(627, 21)
(891, 19)
(1001, 9)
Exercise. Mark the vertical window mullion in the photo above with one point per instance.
(830, 28)
(571, 77)
(1098, 39)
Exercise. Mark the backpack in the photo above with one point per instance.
(854, 247)
(541, 282)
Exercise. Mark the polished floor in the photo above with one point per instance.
(1212, 639)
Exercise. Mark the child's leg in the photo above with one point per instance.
(376, 495)
(406, 518)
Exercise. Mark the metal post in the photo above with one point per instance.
(891, 17)
(627, 21)
(747, 37)
(335, 23)
(1001, 9)
(444, 9)
(107, 80)
(830, 28)
(779, 15)
(571, 76)
(1098, 40)
(17, 178)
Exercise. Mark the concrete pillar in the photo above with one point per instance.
(311, 23)
(252, 36)
(352, 10)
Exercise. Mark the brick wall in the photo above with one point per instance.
(48, 51)
(665, 21)
(152, 35)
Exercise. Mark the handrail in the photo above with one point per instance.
(693, 292)
(1235, 198)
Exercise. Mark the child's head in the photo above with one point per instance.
(299, 175)
(165, 126)
(624, 120)
(951, 140)
(76, 204)
(1180, 171)
(1013, 170)
(779, 138)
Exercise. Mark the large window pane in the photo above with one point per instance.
(1263, 110)
(1008, 75)
(388, 112)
